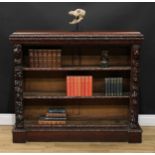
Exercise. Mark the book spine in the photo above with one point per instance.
(90, 85)
(48, 59)
(82, 86)
(114, 86)
(39, 52)
(42, 122)
(36, 64)
(58, 58)
(78, 85)
(121, 86)
(61, 115)
(54, 57)
(105, 86)
(51, 110)
(68, 85)
(31, 58)
(71, 86)
(44, 57)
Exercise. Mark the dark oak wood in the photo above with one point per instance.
(37, 89)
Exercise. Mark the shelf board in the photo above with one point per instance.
(49, 95)
(82, 68)
(76, 124)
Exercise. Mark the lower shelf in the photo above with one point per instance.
(82, 124)
(109, 134)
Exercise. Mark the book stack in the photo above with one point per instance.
(54, 116)
(114, 86)
(79, 85)
(44, 58)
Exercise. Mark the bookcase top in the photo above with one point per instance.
(60, 35)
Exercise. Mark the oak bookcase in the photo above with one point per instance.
(89, 118)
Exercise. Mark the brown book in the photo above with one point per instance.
(40, 57)
(31, 58)
(54, 54)
(44, 58)
(58, 58)
(35, 52)
(47, 122)
(49, 59)
(61, 115)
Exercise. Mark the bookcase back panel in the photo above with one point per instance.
(79, 55)
(91, 56)
(78, 111)
(44, 85)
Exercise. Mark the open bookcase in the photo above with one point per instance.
(76, 86)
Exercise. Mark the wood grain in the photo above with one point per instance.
(6, 145)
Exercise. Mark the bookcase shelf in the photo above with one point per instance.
(85, 124)
(76, 86)
(114, 68)
(62, 96)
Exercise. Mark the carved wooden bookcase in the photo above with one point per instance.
(95, 118)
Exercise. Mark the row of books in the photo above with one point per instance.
(79, 85)
(45, 58)
(114, 86)
(54, 116)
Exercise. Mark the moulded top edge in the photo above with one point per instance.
(69, 35)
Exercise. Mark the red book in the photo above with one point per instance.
(74, 86)
(68, 86)
(82, 85)
(71, 86)
(90, 85)
(78, 85)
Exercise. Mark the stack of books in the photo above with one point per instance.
(54, 116)
(44, 58)
(114, 86)
(79, 85)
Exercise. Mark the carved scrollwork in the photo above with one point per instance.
(18, 85)
(134, 87)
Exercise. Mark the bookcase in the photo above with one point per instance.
(76, 86)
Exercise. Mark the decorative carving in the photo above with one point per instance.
(134, 86)
(104, 58)
(18, 84)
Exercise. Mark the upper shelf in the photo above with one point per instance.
(121, 68)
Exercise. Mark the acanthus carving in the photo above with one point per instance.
(134, 86)
(18, 85)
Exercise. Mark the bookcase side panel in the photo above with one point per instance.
(18, 86)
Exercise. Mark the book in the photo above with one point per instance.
(114, 86)
(61, 115)
(58, 58)
(56, 110)
(79, 85)
(47, 118)
(31, 58)
(54, 122)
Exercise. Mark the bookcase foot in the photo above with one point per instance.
(19, 136)
(135, 135)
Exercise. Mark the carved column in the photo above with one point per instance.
(134, 87)
(18, 85)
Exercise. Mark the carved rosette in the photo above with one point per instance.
(134, 86)
(18, 85)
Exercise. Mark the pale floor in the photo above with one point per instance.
(6, 144)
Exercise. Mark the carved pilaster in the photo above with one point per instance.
(18, 85)
(134, 86)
